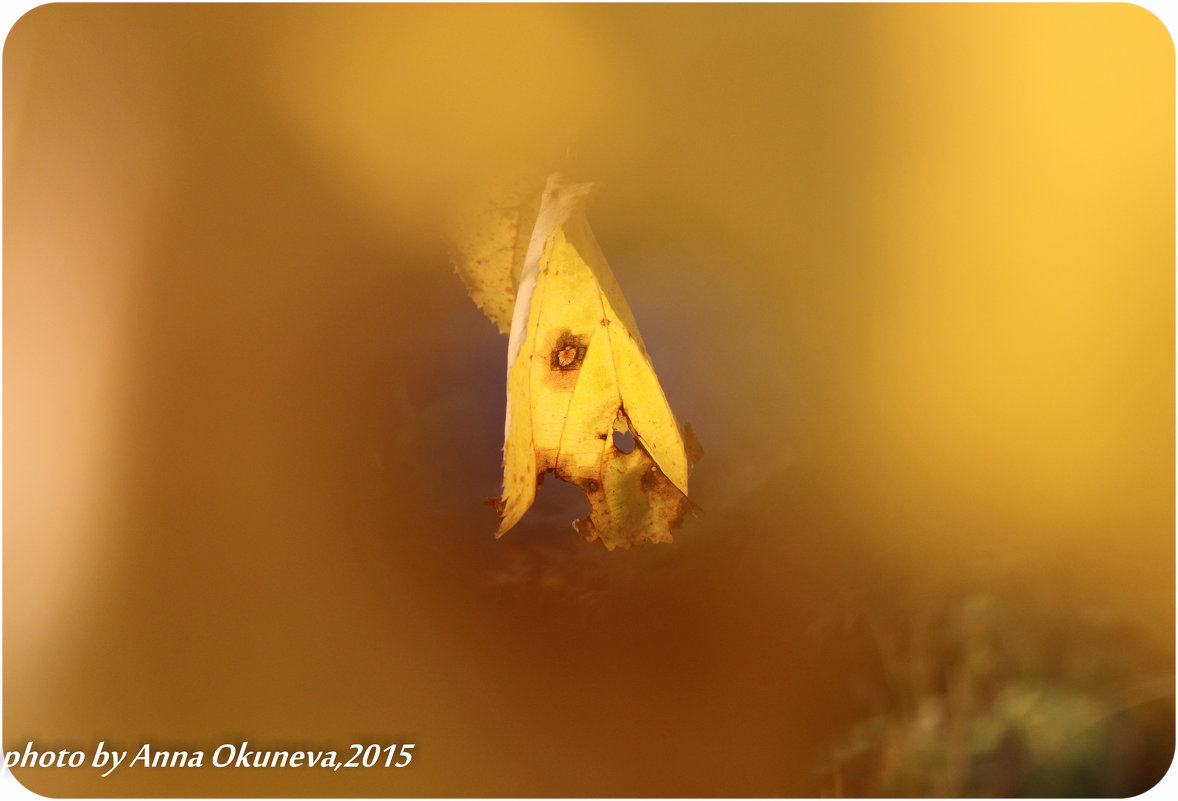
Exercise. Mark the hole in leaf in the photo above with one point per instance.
(624, 441)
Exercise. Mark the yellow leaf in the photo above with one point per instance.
(489, 238)
(577, 371)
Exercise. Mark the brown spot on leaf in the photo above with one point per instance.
(652, 480)
(566, 356)
(568, 352)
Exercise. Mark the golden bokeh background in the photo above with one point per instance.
(908, 270)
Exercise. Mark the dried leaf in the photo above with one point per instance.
(489, 238)
(577, 371)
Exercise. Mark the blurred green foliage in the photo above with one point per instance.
(997, 688)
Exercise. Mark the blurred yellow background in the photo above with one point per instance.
(908, 271)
